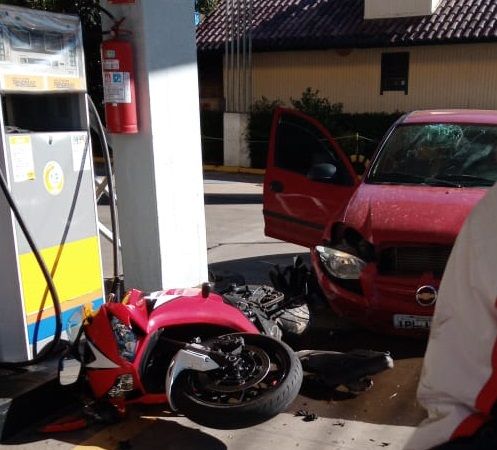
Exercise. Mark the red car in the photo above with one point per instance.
(379, 245)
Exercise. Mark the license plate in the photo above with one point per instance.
(411, 322)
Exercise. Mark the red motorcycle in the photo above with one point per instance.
(187, 347)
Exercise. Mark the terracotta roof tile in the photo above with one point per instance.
(301, 24)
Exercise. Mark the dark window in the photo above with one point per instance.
(300, 145)
(395, 72)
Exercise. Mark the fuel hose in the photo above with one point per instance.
(116, 284)
(51, 347)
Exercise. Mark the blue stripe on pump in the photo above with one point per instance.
(47, 325)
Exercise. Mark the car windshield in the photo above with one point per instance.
(459, 155)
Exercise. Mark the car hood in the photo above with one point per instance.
(388, 213)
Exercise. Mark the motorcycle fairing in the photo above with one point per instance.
(198, 310)
(187, 359)
(177, 307)
(100, 361)
(139, 313)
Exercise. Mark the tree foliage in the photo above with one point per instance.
(316, 106)
(205, 6)
(87, 9)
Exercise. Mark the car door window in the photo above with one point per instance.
(301, 145)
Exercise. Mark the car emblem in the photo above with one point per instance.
(426, 296)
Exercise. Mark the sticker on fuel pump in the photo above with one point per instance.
(53, 178)
(21, 153)
(80, 149)
(117, 87)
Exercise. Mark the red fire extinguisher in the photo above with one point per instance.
(119, 83)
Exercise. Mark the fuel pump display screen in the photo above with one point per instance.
(40, 51)
(21, 39)
(36, 41)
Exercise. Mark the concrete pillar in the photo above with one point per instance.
(159, 170)
(236, 151)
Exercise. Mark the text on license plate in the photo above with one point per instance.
(411, 322)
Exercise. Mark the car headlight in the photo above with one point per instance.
(125, 338)
(340, 264)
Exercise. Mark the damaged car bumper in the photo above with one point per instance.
(381, 302)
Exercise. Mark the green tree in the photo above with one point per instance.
(205, 7)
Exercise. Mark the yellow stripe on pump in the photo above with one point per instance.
(65, 263)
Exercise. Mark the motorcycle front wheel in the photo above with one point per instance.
(264, 381)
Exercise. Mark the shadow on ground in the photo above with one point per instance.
(256, 270)
(146, 427)
(233, 177)
(232, 199)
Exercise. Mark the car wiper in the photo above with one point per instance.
(397, 177)
(440, 181)
(462, 177)
(402, 177)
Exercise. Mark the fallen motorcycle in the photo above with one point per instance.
(213, 358)
(187, 347)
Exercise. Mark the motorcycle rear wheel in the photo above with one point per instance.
(268, 388)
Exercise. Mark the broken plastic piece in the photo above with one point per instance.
(65, 424)
(307, 416)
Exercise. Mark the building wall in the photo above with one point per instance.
(449, 76)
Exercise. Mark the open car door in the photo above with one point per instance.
(309, 179)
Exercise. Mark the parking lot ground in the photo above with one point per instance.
(383, 417)
(236, 242)
(153, 428)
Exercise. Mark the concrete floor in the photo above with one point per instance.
(383, 417)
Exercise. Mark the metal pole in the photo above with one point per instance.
(238, 54)
(250, 52)
(244, 58)
(226, 60)
(232, 21)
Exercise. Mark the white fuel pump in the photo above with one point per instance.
(45, 156)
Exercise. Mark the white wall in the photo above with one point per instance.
(383, 9)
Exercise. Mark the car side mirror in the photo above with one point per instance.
(324, 172)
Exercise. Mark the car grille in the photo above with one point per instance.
(413, 260)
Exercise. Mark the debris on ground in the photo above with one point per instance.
(306, 415)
